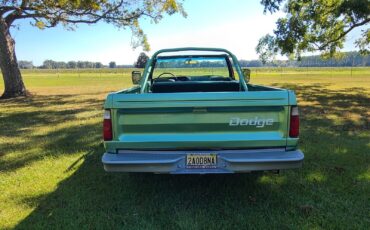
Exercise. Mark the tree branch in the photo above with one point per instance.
(24, 3)
(100, 17)
(17, 11)
(4, 9)
(344, 33)
(54, 16)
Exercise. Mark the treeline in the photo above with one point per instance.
(347, 59)
(50, 64)
(185, 64)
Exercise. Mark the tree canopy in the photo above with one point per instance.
(320, 25)
(112, 64)
(120, 13)
(141, 60)
(70, 13)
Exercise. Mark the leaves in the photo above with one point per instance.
(266, 48)
(271, 5)
(40, 25)
(120, 13)
(363, 43)
(320, 25)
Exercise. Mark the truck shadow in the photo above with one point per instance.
(336, 157)
(91, 198)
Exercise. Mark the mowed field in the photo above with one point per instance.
(51, 176)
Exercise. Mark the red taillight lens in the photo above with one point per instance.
(294, 122)
(107, 126)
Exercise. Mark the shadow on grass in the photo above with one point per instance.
(44, 126)
(326, 193)
(41, 110)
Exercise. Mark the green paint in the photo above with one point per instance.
(199, 119)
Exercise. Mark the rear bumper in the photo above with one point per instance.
(229, 161)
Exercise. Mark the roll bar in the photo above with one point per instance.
(151, 60)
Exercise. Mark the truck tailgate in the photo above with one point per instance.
(200, 120)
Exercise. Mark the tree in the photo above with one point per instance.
(71, 65)
(61, 65)
(141, 60)
(81, 65)
(112, 64)
(319, 25)
(46, 14)
(25, 64)
(49, 64)
(98, 65)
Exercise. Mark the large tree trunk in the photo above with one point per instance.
(13, 82)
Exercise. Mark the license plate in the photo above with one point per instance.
(201, 160)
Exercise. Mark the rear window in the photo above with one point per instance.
(192, 67)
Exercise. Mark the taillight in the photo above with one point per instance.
(107, 126)
(294, 122)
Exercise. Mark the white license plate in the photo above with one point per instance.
(201, 160)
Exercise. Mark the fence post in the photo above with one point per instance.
(281, 70)
(307, 70)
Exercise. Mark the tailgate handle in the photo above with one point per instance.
(199, 110)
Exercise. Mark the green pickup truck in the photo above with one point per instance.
(193, 111)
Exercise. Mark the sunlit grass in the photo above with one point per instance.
(51, 175)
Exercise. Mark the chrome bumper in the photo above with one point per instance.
(228, 161)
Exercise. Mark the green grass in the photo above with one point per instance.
(51, 175)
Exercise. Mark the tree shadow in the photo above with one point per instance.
(326, 193)
(63, 122)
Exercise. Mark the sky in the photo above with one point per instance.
(235, 25)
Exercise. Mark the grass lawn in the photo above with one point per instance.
(51, 175)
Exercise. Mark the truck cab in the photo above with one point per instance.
(193, 111)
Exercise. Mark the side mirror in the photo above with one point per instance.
(135, 76)
(246, 74)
